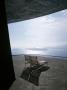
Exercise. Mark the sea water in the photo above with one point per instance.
(47, 52)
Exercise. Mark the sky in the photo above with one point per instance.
(49, 31)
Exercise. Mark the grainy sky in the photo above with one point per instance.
(42, 32)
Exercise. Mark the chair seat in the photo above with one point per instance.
(42, 62)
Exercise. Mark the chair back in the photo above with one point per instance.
(27, 58)
(31, 59)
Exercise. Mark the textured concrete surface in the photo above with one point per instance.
(54, 78)
(27, 9)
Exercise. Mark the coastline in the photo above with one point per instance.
(47, 56)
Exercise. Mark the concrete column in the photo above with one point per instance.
(6, 63)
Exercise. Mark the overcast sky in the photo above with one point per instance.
(42, 32)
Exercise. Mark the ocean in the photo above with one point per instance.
(47, 52)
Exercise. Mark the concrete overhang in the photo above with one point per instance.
(19, 10)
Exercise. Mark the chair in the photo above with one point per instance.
(33, 61)
(35, 64)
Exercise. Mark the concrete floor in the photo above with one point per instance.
(54, 78)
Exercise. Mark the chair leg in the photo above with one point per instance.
(29, 77)
(25, 66)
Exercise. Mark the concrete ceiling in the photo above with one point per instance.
(27, 9)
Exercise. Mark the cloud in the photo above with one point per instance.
(41, 32)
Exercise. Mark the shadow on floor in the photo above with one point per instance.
(32, 74)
